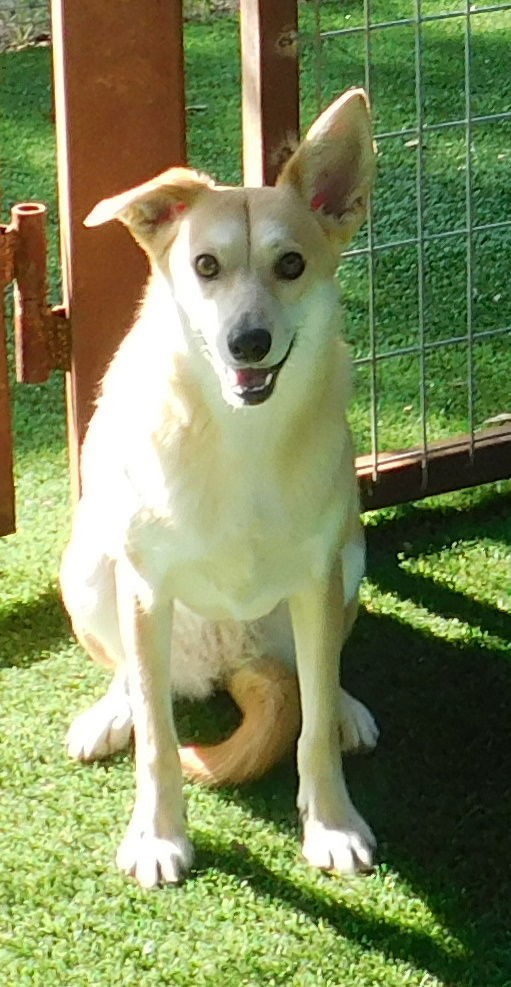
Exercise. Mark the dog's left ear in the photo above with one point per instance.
(333, 168)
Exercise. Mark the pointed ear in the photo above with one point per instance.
(333, 167)
(149, 209)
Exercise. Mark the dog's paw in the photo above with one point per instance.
(154, 861)
(358, 727)
(347, 848)
(102, 730)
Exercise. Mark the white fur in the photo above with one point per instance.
(230, 531)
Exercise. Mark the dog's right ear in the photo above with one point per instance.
(151, 208)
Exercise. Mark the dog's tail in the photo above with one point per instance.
(266, 692)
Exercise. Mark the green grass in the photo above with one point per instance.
(430, 652)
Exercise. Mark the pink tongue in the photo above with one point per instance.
(251, 378)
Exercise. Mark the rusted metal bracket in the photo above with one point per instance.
(7, 511)
(41, 333)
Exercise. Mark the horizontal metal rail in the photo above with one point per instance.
(434, 344)
(410, 21)
(443, 125)
(445, 235)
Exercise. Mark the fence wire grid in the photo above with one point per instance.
(426, 273)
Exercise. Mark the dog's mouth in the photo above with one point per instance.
(253, 385)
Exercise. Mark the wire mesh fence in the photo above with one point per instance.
(429, 312)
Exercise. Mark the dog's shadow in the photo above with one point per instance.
(436, 791)
(32, 630)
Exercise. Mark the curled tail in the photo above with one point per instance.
(266, 692)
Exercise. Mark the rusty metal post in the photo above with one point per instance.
(119, 104)
(7, 516)
(270, 104)
(28, 220)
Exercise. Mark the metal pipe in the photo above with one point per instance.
(7, 515)
(33, 364)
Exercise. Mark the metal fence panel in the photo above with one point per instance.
(413, 258)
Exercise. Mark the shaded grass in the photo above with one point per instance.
(430, 653)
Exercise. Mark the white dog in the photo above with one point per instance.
(220, 506)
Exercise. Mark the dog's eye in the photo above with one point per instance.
(290, 266)
(207, 266)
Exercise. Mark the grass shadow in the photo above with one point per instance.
(373, 934)
(436, 790)
(434, 793)
(429, 528)
(32, 630)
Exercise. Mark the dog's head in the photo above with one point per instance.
(251, 268)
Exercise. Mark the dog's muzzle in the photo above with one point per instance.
(253, 385)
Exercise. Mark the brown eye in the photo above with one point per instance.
(290, 266)
(206, 266)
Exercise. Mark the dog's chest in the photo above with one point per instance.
(235, 543)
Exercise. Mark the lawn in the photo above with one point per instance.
(430, 653)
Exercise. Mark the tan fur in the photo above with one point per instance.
(266, 692)
(222, 532)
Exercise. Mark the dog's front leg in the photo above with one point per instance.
(155, 849)
(335, 836)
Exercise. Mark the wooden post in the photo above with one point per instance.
(119, 105)
(270, 104)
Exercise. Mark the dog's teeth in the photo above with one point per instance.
(242, 389)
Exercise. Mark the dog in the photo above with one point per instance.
(217, 541)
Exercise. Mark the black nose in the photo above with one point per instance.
(250, 345)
